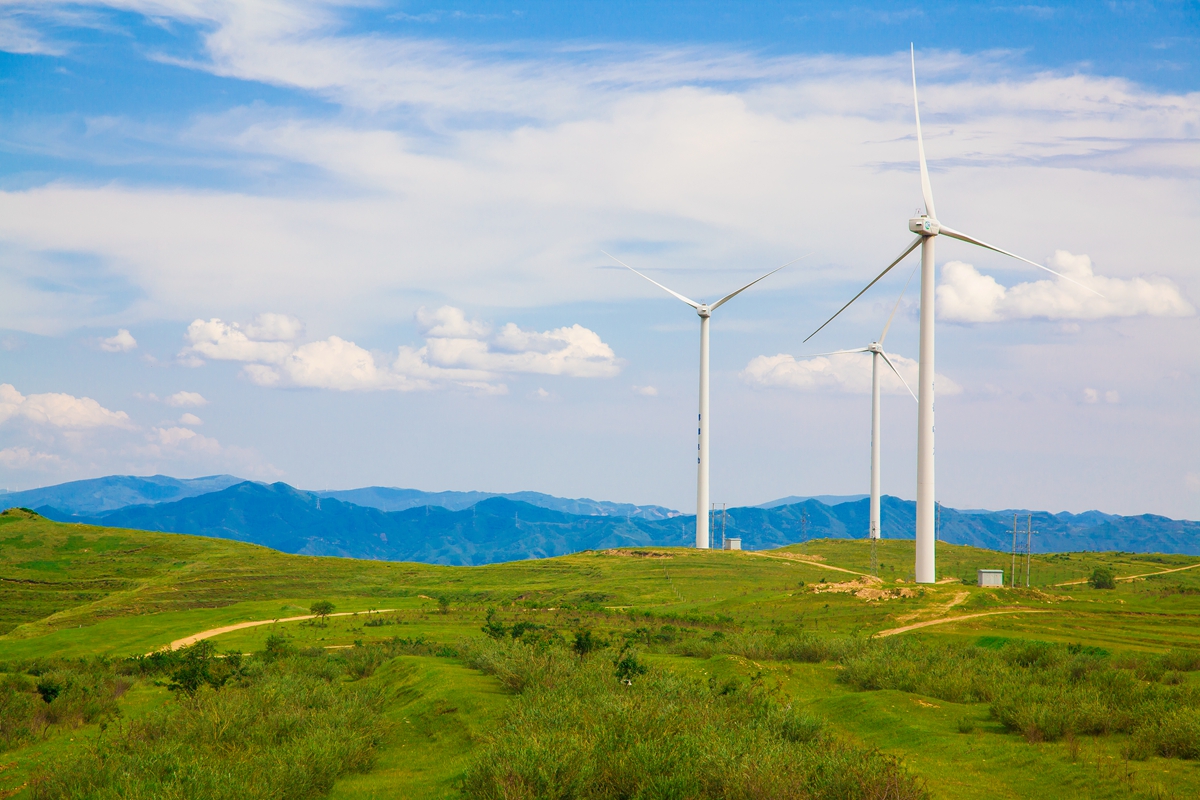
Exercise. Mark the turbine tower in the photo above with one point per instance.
(928, 228)
(704, 310)
(877, 352)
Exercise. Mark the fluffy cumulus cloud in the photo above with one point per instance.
(122, 342)
(457, 351)
(258, 341)
(57, 410)
(966, 295)
(844, 372)
(181, 399)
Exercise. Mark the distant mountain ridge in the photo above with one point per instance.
(498, 528)
(389, 499)
(98, 495)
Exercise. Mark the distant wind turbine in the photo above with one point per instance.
(928, 228)
(704, 310)
(877, 352)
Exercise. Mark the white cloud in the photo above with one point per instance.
(1192, 481)
(645, 391)
(25, 458)
(176, 438)
(1091, 396)
(449, 323)
(271, 327)
(58, 410)
(846, 372)
(190, 419)
(457, 351)
(180, 399)
(965, 295)
(229, 342)
(575, 351)
(123, 342)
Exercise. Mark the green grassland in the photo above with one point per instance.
(723, 619)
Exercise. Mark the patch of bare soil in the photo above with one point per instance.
(864, 589)
(637, 553)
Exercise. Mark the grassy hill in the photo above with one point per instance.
(779, 646)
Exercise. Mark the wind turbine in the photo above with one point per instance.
(877, 352)
(928, 228)
(704, 310)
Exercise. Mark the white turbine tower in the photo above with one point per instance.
(704, 310)
(877, 352)
(928, 228)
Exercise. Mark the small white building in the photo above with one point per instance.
(990, 577)
(733, 544)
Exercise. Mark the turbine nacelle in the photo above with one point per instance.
(703, 310)
(925, 226)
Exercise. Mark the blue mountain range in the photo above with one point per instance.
(479, 528)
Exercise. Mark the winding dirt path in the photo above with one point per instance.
(1133, 577)
(798, 559)
(944, 620)
(187, 641)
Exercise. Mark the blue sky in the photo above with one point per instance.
(346, 243)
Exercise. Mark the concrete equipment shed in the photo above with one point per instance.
(990, 577)
(733, 544)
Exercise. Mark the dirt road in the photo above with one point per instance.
(187, 641)
(944, 620)
(1133, 577)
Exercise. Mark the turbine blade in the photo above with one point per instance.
(907, 250)
(836, 353)
(691, 303)
(883, 335)
(898, 375)
(926, 189)
(953, 234)
(732, 295)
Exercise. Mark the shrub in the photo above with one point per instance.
(493, 627)
(1102, 578)
(285, 729)
(577, 733)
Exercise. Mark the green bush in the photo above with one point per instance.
(1102, 578)
(577, 733)
(1043, 691)
(1175, 734)
(280, 729)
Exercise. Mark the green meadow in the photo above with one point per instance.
(651, 673)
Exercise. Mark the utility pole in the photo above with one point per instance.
(724, 517)
(1028, 548)
(1013, 579)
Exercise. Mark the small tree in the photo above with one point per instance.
(444, 604)
(585, 642)
(1102, 578)
(628, 666)
(494, 628)
(322, 609)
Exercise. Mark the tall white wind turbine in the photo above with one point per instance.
(704, 310)
(877, 353)
(928, 228)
